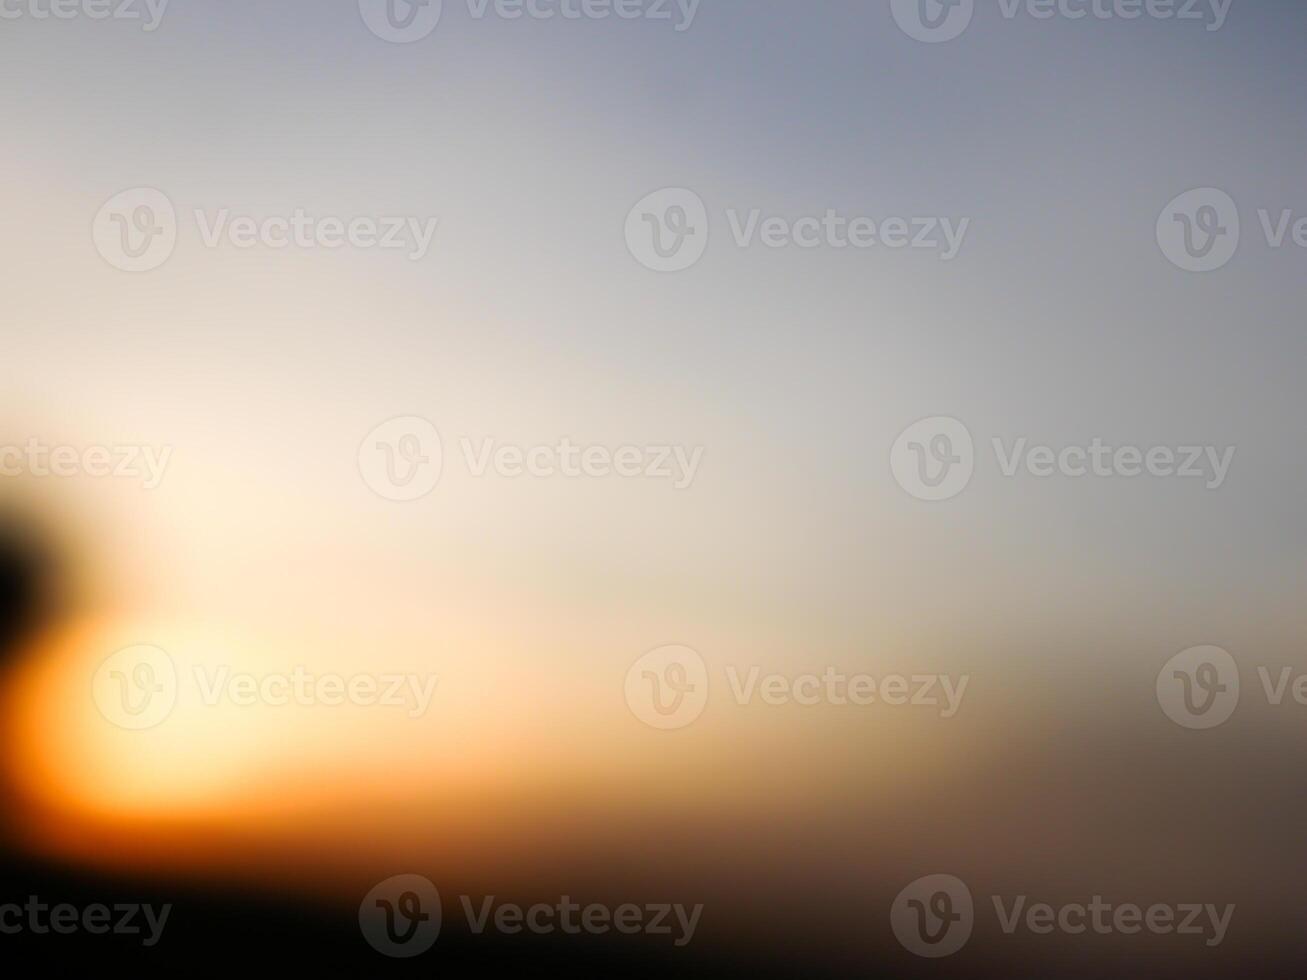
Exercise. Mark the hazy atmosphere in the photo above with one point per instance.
(813, 473)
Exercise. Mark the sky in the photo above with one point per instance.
(531, 318)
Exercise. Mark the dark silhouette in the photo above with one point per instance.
(26, 577)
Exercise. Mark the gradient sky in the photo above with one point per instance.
(1059, 321)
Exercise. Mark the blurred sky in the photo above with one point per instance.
(1059, 321)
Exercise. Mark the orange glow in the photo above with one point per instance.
(322, 793)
